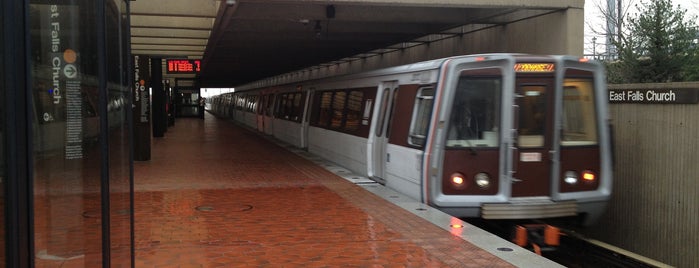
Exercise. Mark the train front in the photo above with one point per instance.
(519, 137)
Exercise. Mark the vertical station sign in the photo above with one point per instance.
(141, 108)
(60, 97)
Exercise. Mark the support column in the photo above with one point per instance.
(159, 96)
(141, 112)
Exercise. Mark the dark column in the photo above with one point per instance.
(141, 112)
(159, 114)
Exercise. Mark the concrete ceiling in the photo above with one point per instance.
(254, 39)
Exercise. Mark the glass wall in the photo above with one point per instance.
(119, 142)
(81, 147)
(3, 260)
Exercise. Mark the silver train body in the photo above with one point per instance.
(495, 136)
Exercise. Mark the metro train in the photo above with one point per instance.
(493, 136)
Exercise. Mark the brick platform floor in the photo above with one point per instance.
(217, 195)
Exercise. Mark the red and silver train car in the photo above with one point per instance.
(497, 136)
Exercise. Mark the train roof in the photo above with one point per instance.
(297, 77)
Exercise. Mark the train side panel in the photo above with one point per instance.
(344, 149)
(288, 131)
(403, 170)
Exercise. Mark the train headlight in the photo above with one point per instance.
(482, 180)
(458, 181)
(571, 177)
(588, 176)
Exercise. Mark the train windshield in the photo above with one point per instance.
(579, 124)
(475, 115)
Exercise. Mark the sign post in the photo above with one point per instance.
(141, 109)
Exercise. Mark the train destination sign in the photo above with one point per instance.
(183, 66)
(655, 96)
(534, 67)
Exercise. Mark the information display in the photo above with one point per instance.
(183, 66)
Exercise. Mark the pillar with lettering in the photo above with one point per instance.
(141, 109)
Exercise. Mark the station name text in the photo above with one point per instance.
(665, 96)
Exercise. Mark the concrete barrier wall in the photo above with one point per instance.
(558, 32)
(655, 201)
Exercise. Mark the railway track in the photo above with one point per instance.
(578, 251)
(568, 247)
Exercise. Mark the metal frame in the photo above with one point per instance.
(17, 117)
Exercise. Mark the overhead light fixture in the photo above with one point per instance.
(230, 2)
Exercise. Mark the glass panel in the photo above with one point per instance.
(298, 107)
(354, 110)
(421, 117)
(532, 116)
(382, 112)
(120, 176)
(289, 107)
(3, 259)
(579, 126)
(72, 105)
(475, 114)
(390, 111)
(325, 111)
(67, 159)
(270, 102)
(339, 100)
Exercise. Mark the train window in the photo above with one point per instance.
(270, 102)
(475, 114)
(262, 104)
(390, 112)
(297, 107)
(579, 126)
(532, 116)
(421, 116)
(382, 112)
(325, 110)
(253, 104)
(288, 108)
(281, 101)
(338, 109)
(354, 110)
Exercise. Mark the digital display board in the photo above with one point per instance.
(534, 67)
(183, 66)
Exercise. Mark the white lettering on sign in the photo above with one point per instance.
(634, 95)
(55, 32)
(661, 97)
(642, 96)
(616, 96)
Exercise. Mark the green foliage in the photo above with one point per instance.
(658, 46)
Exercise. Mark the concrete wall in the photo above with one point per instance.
(560, 32)
(655, 201)
(557, 32)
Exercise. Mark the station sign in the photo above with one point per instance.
(655, 96)
(183, 66)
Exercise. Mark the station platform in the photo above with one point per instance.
(216, 194)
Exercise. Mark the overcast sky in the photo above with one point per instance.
(595, 22)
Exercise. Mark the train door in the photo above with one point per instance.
(268, 114)
(259, 111)
(305, 117)
(379, 139)
(533, 121)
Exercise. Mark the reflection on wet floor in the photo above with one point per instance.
(215, 195)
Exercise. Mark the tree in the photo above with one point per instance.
(658, 45)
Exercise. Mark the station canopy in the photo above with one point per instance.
(242, 41)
